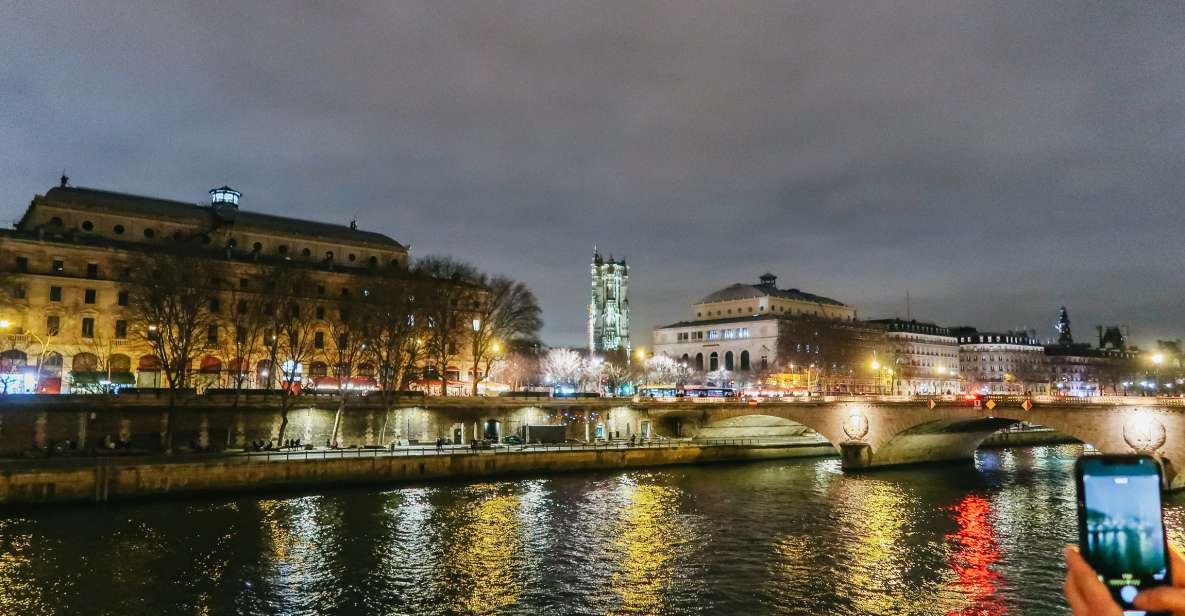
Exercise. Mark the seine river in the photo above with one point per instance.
(780, 537)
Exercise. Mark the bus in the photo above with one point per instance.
(709, 394)
(657, 392)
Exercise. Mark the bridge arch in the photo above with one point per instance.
(876, 434)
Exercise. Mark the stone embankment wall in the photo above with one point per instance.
(67, 481)
(31, 425)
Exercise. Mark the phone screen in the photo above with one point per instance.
(1120, 522)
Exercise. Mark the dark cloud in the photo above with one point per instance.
(994, 159)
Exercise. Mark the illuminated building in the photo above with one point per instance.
(64, 270)
(924, 357)
(1001, 362)
(609, 305)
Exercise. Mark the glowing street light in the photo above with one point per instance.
(4, 323)
(1158, 359)
(876, 365)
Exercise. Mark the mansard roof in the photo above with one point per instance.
(138, 205)
(746, 291)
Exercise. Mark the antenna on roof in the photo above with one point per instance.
(353, 224)
(65, 179)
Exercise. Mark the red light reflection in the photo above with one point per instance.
(977, 549)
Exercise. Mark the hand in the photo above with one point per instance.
(1088, 596)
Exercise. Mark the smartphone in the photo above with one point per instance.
(1120, 526)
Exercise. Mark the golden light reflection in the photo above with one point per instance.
(646, 537)
(19, 590)
(484, 562)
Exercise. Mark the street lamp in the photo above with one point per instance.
(4, 323)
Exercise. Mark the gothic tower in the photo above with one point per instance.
(609, 307)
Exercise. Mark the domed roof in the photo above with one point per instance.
(746, 291)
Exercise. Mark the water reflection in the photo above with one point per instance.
(783, 537)
(646, 536)
(976, 553)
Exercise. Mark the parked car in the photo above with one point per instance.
(513, 439)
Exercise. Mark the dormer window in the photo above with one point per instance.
(88, 225)
(118, 229)
(149, 233)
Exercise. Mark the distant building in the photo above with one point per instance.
(1001, 362)
(609, 306)
(761, 332)
(924, 357)
(766, 298)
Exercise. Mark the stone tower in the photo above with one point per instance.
(609, 306)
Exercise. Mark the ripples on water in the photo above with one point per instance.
(781, 537)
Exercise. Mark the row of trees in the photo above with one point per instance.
(186, 306)
(567, 368)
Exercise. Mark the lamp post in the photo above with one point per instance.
(476, 352)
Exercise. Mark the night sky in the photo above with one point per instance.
(995, 159)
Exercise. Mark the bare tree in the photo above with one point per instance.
(564, 367)
(392, 329)
(245, 323)
(448, 295)
(346, 349)
(169, 301)
(288, 333)
(508, 313)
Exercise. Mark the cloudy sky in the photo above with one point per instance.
(994, 159)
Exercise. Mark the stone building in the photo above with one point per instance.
(65, 271)
(761, 332)
(609, 306)
(1002, 362)
(924, 357)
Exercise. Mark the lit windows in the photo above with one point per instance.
(55, 294)
(713, 334)
(88, 327)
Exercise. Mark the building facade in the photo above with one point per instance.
(1010, 363)
(65, 273)
(609, 305)
(764, 335)
(924, 357)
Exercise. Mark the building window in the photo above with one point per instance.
(88, 296)
(243, 283)
(118, 229)
(713, 334)
(319, 339)
(713, 362)
(306, 253)
(728, 364)
(212, 334)
(240, 334)
(18, 292)
(215, 305)
(92, 270)
(452, 348)
(121, 329)
(55, 294)
(257, 247)
(149, 233)
(744, 360)
(242, 306)
(122, 298)
(743, 332)
(728, 334)
(87, 225)
(88, 327)
(351, 257)
(53, 325)
(22, 264)
(345, 292)
(58, 266)
(320, 312)
(764, 362)
(282, 249)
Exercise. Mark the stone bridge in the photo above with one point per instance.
(869, 434)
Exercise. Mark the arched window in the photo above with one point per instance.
(728, 365)
(13, 360)
(210, 365)
(699, 362)
(149, 363)
(713, 362)
(744, 360)
(84, 362)
(686, 359)
(120, 363)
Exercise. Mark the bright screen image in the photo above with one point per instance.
(1124, 534)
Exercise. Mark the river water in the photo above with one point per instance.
(778, 537)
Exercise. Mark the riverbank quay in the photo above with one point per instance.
(81, 480)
